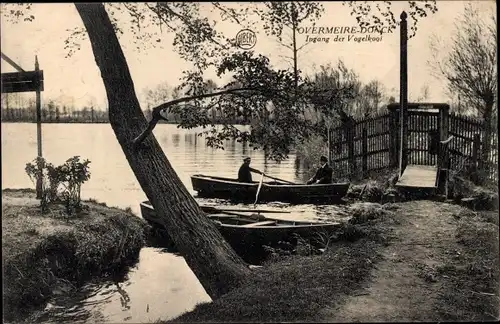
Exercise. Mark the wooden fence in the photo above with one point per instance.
(465, 148)
(361, 147)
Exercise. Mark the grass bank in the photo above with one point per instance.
(473, 273)
(45, 253)
(296, 288)
(408, 261)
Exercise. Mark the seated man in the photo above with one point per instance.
(245, 172)
(324, 173)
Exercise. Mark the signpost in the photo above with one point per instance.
(403, 92)
(27, 81)
(39, 88)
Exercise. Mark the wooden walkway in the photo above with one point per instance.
(419, 176)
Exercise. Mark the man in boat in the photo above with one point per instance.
(323, 174)
(245, 172)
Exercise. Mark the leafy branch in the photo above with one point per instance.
(160, 112)
(379, 14)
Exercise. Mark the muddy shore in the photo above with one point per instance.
(51, 253)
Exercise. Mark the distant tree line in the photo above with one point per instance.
(18, 110)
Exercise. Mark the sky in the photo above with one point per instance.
(76, 80)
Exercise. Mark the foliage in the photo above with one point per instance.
(74, 173)
(363, 212)
(17, 12)
(340, 79)
(470, 65)
(39, 171)
(370, 99)
(264, 99)
(278, 15)
(379, 14)
(309, 152)
(70, 175)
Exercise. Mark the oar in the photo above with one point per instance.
(211, 209)
(253, 216)
(278, 179)
(258, 190)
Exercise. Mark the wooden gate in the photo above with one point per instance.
(427, 124)
(424, 157)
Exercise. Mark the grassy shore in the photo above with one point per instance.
(407, 261)
(45, 253)
(296, 288)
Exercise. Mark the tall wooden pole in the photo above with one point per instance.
(329, 150)
(38, 131)
(403, 92)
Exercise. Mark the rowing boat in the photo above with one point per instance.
(245, 232)
(218, 187)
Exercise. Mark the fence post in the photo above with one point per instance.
(393, 133)
(476, 144)
(351, 132)
(365, 153)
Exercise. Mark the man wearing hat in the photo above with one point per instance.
(323, 174)
(245, 172)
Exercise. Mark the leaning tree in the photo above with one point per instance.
(212, 260)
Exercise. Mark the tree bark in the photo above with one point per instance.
(295, 59)
(218, 268)
(486, 147)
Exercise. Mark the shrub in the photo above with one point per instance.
(74, 173)
(42, 171)
(373, 192)
(363, 212)
(70, 176)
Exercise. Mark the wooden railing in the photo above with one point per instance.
(363, 146)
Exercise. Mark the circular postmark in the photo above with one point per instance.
(246, 39)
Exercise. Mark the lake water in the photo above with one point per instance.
(161, 285)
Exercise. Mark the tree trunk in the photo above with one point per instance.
(486, 147)
(295, 59)
(213, 261)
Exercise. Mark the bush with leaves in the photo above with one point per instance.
(70, 176)
(37, 172)
(74, 173)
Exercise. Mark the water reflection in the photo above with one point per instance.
(297, 166)
(157, 287)
(232, 145)
(188, 139)
(176, 138)
(112, 181)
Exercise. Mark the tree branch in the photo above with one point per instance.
(287, 46)
(156, 112)
(166, 105)
(187, 22)
(301, 47)
(229, 12)
(286, 57)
